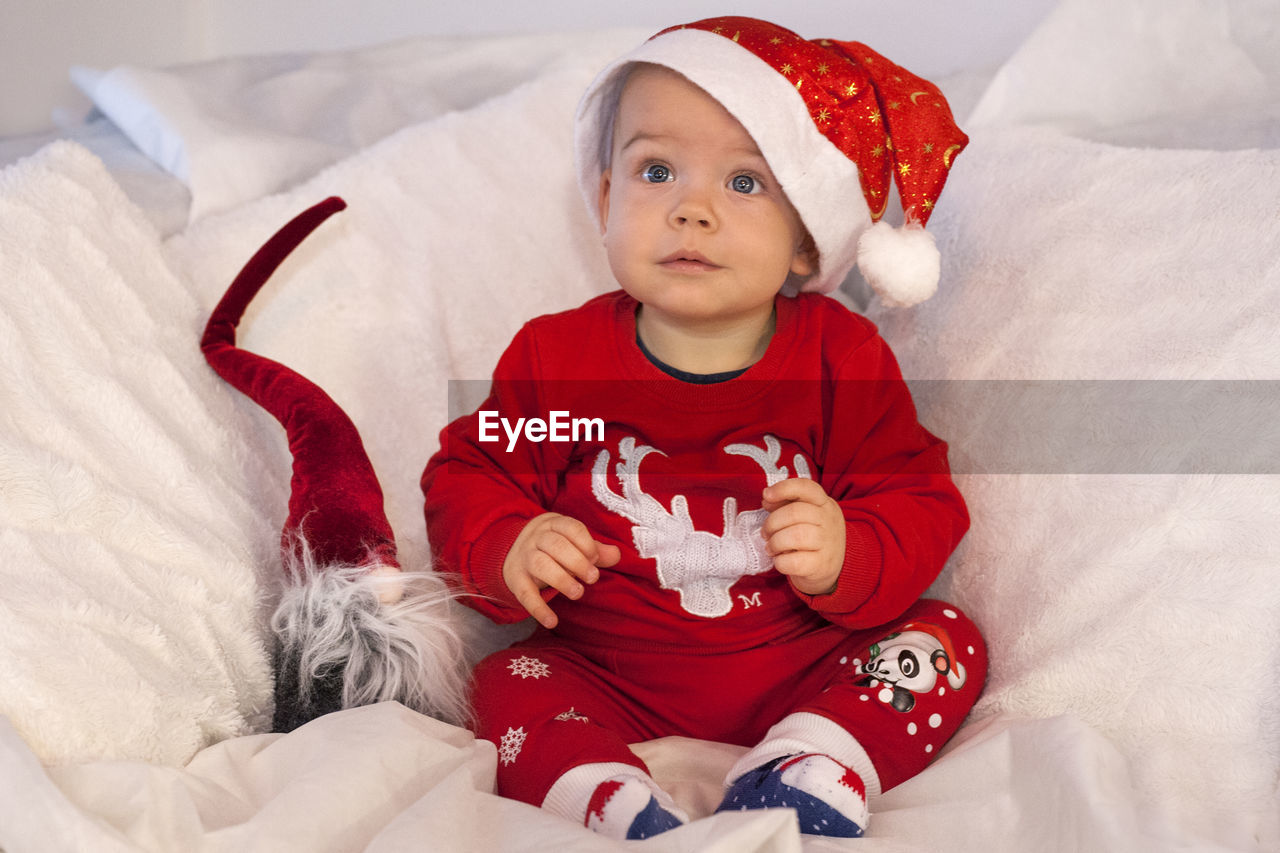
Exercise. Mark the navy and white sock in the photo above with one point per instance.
(829, 798)
(614, 799)
(625, 807)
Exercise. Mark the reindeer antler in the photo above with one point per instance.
(767, 458)
(633, 504)
(700, 565)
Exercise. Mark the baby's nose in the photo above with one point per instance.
(694, 209)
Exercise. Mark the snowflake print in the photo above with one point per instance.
(512, 743)
(527, 667)
(572, 714)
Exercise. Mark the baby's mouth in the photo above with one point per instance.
(688, 261)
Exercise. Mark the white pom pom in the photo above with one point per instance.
(900, 264)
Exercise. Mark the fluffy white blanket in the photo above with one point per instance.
(130, 520)
(1126, 585)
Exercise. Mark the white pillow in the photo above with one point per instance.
(1166, 67)
(240, 128)
(129, 499)
(458, 231)
(1124, 578)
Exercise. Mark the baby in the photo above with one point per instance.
(735, 544)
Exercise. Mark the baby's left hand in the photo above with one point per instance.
(804, 533)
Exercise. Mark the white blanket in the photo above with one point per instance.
(1131, 609)
(129, 521)
(385, 779)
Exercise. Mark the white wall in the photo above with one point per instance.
(41, 39)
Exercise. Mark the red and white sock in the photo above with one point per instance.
(616, 800)
(804, 732)
(828, 798)
(810, 755)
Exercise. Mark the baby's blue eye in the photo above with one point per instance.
(743, 184)
(657, 174)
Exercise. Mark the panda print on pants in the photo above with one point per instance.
(910, 662)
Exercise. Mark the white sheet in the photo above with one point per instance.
(163, 199)
(380, 778)
(384, 779)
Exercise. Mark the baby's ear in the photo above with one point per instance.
(805, 262)
(603, 201)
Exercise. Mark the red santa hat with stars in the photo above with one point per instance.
(838, 124)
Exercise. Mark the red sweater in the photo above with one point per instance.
(676, 480)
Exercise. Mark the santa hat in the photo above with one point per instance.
(955, 673)
(838, 124)
(351, 628)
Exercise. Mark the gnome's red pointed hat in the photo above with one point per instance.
(838, 124)
(335, 503)
(350, 628)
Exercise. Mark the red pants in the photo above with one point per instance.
(901, 690)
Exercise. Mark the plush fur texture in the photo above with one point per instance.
(128, 622)
(901, 264)
(340, 647)
(1114, 558)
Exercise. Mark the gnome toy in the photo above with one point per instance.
(351, 628)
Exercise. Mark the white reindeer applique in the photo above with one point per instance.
(700, 565)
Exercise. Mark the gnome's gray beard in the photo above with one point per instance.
(339, 646)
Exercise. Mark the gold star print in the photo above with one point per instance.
(787, 69)
(928, 148)
(894, 105)
(904, 169)
(823, 116)
(927, 204)
(717, 30)
(851, 90)
(823, 69)
(775, 41)
(874, 118)
(878, 151)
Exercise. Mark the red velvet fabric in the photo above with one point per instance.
(336, 504)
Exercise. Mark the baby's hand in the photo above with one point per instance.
(557, 551)
(804, 533)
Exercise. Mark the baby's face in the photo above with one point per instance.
(695, 224)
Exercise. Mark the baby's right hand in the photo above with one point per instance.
(556, 551)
